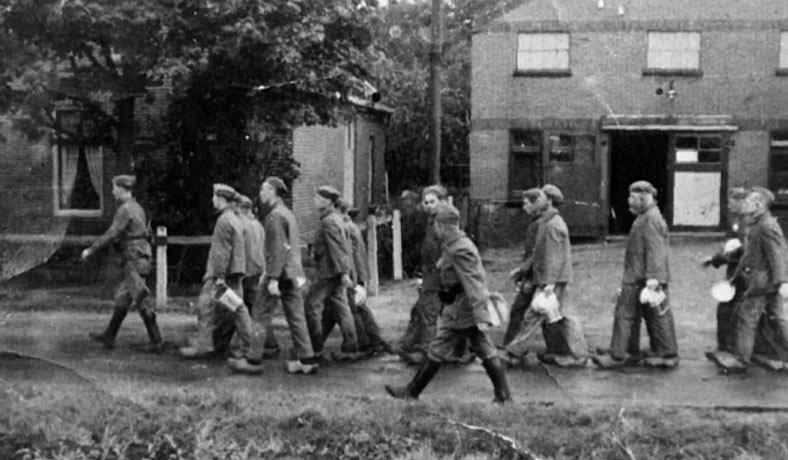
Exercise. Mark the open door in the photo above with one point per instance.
(574, 166)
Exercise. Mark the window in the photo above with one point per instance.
(783, 63)
(543, 53)
(778, 165)
(78, 168)
(698, 149)
(525, 162)
(673, 53)
(570, 147)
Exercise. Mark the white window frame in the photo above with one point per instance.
(673, 51)
(68, 212)
(543, 52)
(782, 59)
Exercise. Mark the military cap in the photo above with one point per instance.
(353, 212)
(225, 191)
(276, 183)
(767, 195)
(533, 193)
(447, 214)
(328, 192)
(643, 186)
(437, 190)
(244, 201)
(126, 181)
(554, 193)
(738, 193)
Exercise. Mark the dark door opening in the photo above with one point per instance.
(636, 155)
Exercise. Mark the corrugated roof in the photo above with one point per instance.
(648, 10)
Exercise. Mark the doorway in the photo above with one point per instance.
(635, 155)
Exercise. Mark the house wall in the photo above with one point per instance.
(738, 61)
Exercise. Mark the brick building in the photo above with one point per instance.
(594, 94)
(56, 190)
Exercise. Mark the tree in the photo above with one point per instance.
(231, 63)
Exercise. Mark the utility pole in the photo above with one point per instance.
(436, 52)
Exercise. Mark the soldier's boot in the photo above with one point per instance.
(497, 375)
(107, 338)
(154, 335)
(414, 388)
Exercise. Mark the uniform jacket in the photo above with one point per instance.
(128, 231)
(359, 250)
(461, 265)
(430, 253)
(646, 255)
(254, 241)
(282, 245)
(764, 259)
(552, 252)
(227, 255)
(331, 247)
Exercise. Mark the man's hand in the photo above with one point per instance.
(783, 290)
(86, 253)
(549, 289)
(220, 282)
(515, 273)
(273, 288)
(706, 262)
(652, 284)
(346, 281)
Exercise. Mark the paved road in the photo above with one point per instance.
(60, 340)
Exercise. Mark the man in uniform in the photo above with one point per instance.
(464, 315)
(413, 345)
(225, 267)
(645, 266)
(764, 266)
(284, 276)
(332, 255)
(551, 271)
(129, 233)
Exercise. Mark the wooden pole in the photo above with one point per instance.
(396, 231)
(161, 267)
(372, 255)
(436, 52)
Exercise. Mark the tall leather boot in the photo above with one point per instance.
(156, 344)
(414, 388)
(107, 338)
(495, 370)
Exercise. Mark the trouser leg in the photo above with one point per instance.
(748, 314)
(725, 325)
(626, 323)
(521, 304)
(661, 329)
(371, 326)
(315, 305)
(293, 306)
(347, 325)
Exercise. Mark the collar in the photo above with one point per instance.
(454, 238)
(325, 212)
(547, 215)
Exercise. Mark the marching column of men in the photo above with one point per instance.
(253, 268)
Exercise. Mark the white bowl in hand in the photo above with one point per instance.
(723, 291)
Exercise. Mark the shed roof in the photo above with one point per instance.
(647, 10)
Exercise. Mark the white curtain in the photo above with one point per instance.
(93, 156)
(69, 159)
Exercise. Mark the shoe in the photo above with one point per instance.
(244, 366)
(152, 328)
(195, 353)
(728, 363)
(497, 375)
(569, 361)
(608, 362)
(299, 367)
(771, 364)
(660, 362)
(108, 343)
(414, 388)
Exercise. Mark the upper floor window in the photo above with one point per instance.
(673, 52)
(78, 168)
(543, 53)
(783, 64)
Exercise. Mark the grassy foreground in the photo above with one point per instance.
(79, 421)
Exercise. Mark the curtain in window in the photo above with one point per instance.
(93, 157)
(69, 159)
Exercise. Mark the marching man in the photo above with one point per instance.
(129, 231)
(550, 272)
(464, 314)
(644, 290)
(284, 276)
(225, 268)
